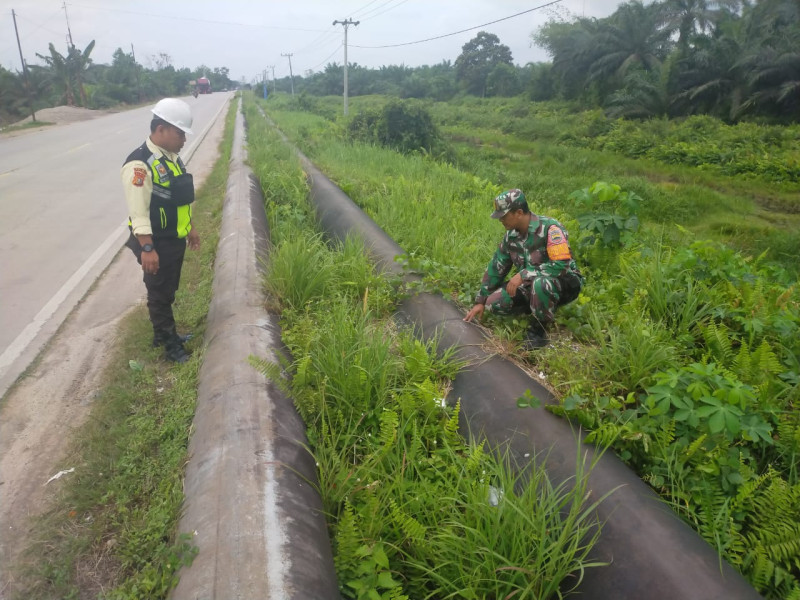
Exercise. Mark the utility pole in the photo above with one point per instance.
(291, 76)
(24, 68)
(136, 68)
(346, 23)
(274, 83)
(69, 33)
(264, 83)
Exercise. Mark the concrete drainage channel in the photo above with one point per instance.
(250, 498)
(256, 516)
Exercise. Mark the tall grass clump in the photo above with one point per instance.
(415, 510)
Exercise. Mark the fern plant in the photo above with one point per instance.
(773, 533)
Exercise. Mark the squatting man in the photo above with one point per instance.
(546, 278)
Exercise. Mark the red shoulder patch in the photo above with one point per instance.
(138, 176)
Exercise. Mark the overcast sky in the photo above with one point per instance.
(248, 36)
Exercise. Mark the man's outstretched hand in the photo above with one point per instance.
(475, 311)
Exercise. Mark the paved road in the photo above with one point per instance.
(62, 219)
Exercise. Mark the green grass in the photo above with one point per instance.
(24, 126)
(682, 350)
(415, 510)
(113, 528)
(491, 140)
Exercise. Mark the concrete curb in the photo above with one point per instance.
(251, 500)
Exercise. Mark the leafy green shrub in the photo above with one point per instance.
(403, 125)
(746, 149)
(613, 219)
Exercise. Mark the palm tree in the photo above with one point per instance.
(688, 16)
(631, 38)
(774, 78)
(12, 96)
(713, 79)
(774, 68)
(574, 48)
(643, 95)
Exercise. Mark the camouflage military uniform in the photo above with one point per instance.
(549, 274)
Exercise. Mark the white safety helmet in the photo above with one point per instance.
(175, 112)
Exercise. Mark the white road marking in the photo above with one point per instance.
(18, 346)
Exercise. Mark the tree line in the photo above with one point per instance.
(729, 58)
(732, 59)
(73, 79)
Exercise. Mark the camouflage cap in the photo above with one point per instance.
(508, 201)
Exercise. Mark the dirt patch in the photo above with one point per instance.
(63, 114)
(44, 409)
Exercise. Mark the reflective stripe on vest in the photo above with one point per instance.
(162, 170)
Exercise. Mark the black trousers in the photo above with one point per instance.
(162, 286)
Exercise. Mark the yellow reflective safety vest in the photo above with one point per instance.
(172, 196)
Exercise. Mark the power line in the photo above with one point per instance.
(367, 5)
(367, 14)
(318, 40)
(438, 37)
(40, 26)
(197, 20)
(326, 59)
(385, 11)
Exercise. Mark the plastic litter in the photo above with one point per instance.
(59, 475)
(495, 495)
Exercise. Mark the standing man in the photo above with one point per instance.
(159, 193)
(546, 276)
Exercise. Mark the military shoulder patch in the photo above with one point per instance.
(557, 247)
(138, 176)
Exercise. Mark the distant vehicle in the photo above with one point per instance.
(203, 85)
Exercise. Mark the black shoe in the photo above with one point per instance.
(175, 352)
(161, 340)
(535, 338)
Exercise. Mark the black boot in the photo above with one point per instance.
(161, 338)
(536, 337)
(175, 352)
